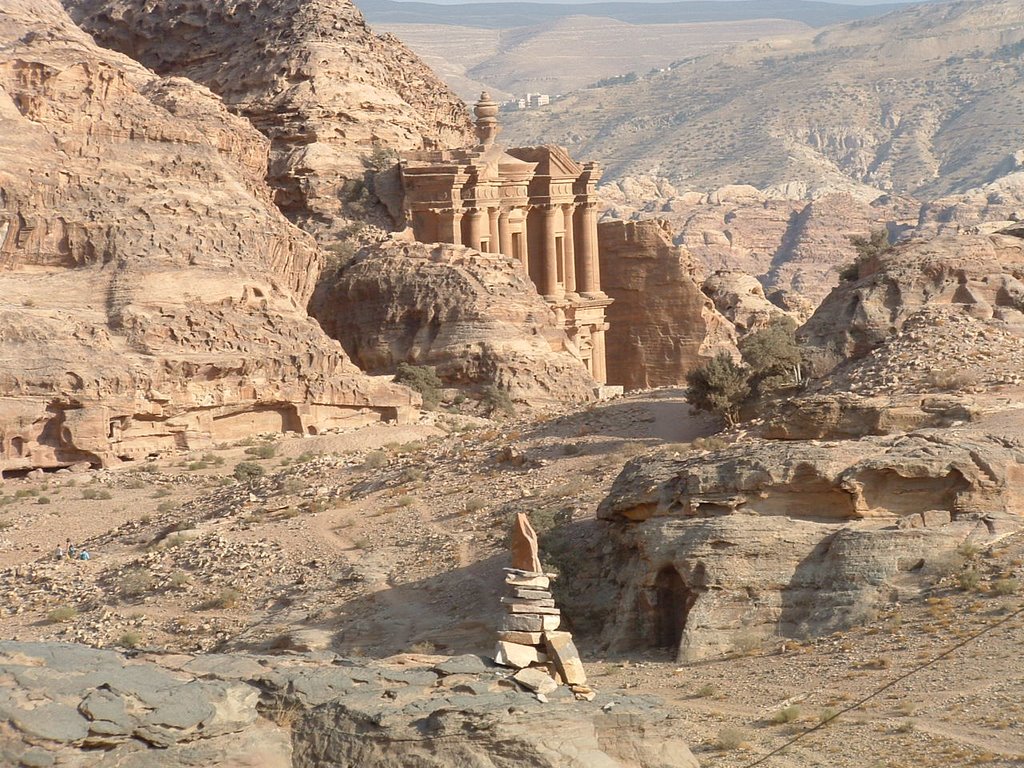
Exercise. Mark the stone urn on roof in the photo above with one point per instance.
(486, 111)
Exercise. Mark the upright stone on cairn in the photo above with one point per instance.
(528, 640)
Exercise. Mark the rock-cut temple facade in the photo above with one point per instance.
(533, 204)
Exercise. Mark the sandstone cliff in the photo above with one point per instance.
(662, 325)
(152, 296)
(762, 541)
(308, 74)
(476, 317)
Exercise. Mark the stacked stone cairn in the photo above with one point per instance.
(529, 640)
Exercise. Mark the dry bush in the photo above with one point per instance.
(785, 715)
(731, 737)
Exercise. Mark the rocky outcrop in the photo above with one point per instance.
(152, 296)
(662, 325)
(475, 317)
(308, 74)
(786, 242)
(975, 280)
(740, 298)
(70, 704)
(757, 542)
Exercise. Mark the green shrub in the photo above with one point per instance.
(772, 355)
(497, 401)
(129, 639)
(136, 582)
(262, 451)
(969, 580)
(868, 248)
(1005, 587)
(96, 493)
(247, 470)
(719, 386)
(43, 500)
(405, 501)
(422, 379)
(226, 598)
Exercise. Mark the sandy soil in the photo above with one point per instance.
(391, 539)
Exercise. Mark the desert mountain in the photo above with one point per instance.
(507, 15)
(152, 295)
(570, 52)
(920, 101)
(310, 76)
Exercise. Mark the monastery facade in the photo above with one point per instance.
(533, 204)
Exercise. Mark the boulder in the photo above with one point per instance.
(736, 549)
(475, 317)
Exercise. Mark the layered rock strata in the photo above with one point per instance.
(663, 326)
(68, 704)
(475, 317)
(778, 236)
(754, 543)
(328, 93)
(152, 296)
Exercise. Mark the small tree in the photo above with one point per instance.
(423, 379)
(719, 386)
(871, 247)
(773, 355)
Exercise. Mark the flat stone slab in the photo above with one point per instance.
(534, 581)
(531, 607)
(536, 680)
(525, 638)
(517, 655)
(562, 651)
(539, 603)
(525, 593)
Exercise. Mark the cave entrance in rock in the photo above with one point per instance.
(673, 601)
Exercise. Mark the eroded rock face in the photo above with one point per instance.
(152, 296)
(309, 75)
(475, 317)
(740, 298)
(978, 276)
(70, 704)
(776, 235)
(773, 540)
(663, 326)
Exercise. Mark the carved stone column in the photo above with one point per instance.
(492, 234)
(449, 227)
(504, 234)
(586, 249)
(570, 250)
(549, 254)
(476, 229)
(597, 361)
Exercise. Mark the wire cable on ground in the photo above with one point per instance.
(983, 631)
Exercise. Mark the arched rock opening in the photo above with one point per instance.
(672, 604)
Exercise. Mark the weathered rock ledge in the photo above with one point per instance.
(763, 541)
(70, 704)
